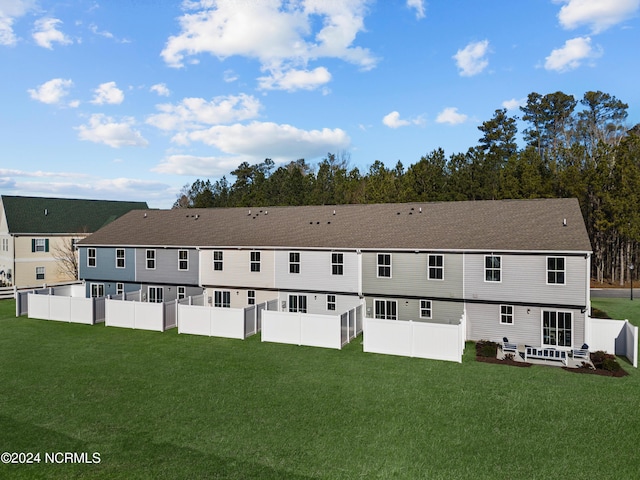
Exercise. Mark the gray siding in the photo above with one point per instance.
(315, 272)
(409, 309)
(105, 268)
(166, 271)
(483, 323)
(169, 292)
(236, 270)
(317, 303)
(409, 276)
(524, 280)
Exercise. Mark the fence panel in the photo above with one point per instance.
(617, 337)
(149, 316)
(99, 310)
(81, 310)
(413, 339)
(321, 330)
(227, 322)
(281, 327)
(38, 306)
(194, 320)
(119, 313)
(170, 314)
(6, 293)
(250, 320)
(22, 303)
(631, 349)
(59, 308)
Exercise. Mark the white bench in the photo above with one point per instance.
(545, 354)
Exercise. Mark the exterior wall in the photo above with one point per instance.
(6, 249)
(409, 276)
(409, 309)
(483, 323)
(239, 296)
(169, 292)
(166, 269)
(524, 279)
(105, 268)
(316, 272)
(110, 287)
(236, 270)
(27, 261)
(317, 303)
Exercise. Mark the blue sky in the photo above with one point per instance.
(133, 99)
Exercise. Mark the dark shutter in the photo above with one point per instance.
(46, 244)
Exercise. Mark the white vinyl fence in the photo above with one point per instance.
(140, 315)
(44, 305)
(220, 322)
(617, 337)
(414, 339)
(328, 331)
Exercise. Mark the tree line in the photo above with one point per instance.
(570, 148)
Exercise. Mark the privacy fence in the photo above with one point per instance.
(618, 337)
(62, 304)
(329, 331)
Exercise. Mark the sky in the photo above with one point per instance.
(134, 99)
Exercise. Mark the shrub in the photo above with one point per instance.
(485, 348)
(605, 361)
(611, 365)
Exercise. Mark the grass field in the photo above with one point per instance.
(163, 405)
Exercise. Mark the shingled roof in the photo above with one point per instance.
(501, 225)
(41, 215)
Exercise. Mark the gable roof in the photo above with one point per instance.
(41, 215)
(496, 225)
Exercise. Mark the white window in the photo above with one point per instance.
(156, 294)
(97, 290)
(91, 257)
(151, 259)
(217, 260)
(182, 292)
(120, 258)
(251, 297)
(384, 265)
(40, 245)
(506, 314)
(436, 267)
(119, 288)
(337, 263)
(5, 244)
(298, 303)
(183, 259)
(294, 262)
(492, 268)
(39, 273)
(386, 309)
(331, 302)
(425, 308)
(556, 328)
(222, 298)
(555, 270)
(255, 261)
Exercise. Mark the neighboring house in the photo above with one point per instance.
(515, 268)
(36, 233)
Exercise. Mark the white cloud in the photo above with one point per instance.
(269, 140)
(418, 5)
(597, 14)
(230, 76)
(292, 80)
(161, 89)
(514, 104)
(108, 93)
(47, 33)
(197, 112)
(10, 10)
(472, 60)
(571, 55)
(200, 166)
(103, 129)
(393, 120)
(281, 35)
(451, 116)
(52, 92)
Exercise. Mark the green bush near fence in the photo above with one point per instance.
(168, 406)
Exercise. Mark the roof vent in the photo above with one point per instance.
(145, 215)
(564, 222)
(420, 210)
(46, 212)
(249, 213)
(334, 212)
(197, 216)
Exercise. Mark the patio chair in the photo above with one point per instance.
(582, 352)
(509, 347)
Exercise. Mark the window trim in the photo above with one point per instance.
(184, 261)
(181, 292)
(331, 302)
(39, 245)
(337, 263)
(156, 297)
(218, 262)
(556, 272)
(557, 331)
(255, 261)
(121, 258)
(148, 258)
(91, 257)
(426, 308)
(384, 265)
(99, 287)
(219, 297)
(298, 304)
(503, 314)
(251, 297)
(492, 269)
(43, 273)
(386, 303)
(435, 267)
(119, 288)
(294, 263)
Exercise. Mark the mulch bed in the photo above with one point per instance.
(598, 371)
(480, 358)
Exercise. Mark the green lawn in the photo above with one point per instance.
(619, 308)
(163, 405)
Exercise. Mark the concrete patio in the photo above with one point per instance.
(519, 356)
